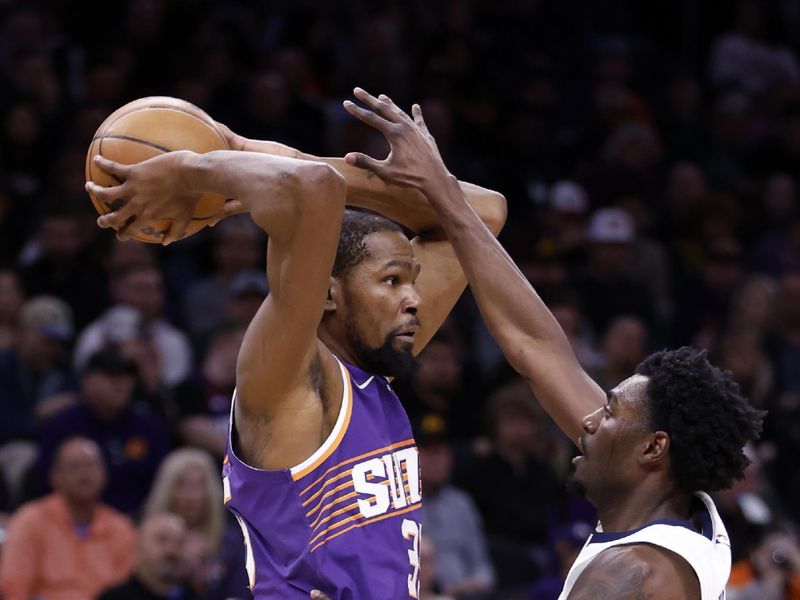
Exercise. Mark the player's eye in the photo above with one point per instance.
(606, 410)
(392, 279)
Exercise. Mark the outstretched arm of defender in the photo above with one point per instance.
(402, 204)
(527, 332)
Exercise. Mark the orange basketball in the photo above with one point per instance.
(146, 128)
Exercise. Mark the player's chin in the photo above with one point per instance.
(575, 485)
(404, 343)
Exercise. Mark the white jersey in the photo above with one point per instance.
(707, 551)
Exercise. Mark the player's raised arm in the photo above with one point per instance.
(527, 332)
(300, 205)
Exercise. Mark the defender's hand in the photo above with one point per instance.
(414, 159)
(155, 189)
(317, 595)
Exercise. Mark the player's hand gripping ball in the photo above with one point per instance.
(146, 128)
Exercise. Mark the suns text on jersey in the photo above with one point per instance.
(388, 481)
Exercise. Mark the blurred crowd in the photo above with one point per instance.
(650, 155)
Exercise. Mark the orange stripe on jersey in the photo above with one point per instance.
(327, 494)
(331, 504)
(330, 481)
(334, 514)
(367, 522)
(317, 521)
(337, 500)
(350, 460)
(335, 443)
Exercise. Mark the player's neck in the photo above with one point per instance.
(340, 349)
(642, 506)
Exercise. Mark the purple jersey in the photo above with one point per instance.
(347, 519)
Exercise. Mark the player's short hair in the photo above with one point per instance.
(708, 420)
(352, 249)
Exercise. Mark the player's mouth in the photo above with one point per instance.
(406, 336)
(408, 332)
(582, 451)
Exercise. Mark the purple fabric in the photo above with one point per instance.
(346, 527)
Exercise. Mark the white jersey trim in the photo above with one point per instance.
(341, 422)
(331, 440)
(709, 557)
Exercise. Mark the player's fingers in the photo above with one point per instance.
(382, 105)
(419, 120)
(362, 161)
(176, 231)
(116, 169)
(370, 118)
(231, 207)
(317, 595)
(125, 231)
(107, 195)
(121, 211)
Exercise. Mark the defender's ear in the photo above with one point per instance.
(334, 293)
(656, 449)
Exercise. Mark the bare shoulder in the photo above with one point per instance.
(283, 434)
(637, 572)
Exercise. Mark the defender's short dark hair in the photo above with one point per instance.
(352, 248)
(705, 415)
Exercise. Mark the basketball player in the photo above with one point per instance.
(648, 446)
(321, 468)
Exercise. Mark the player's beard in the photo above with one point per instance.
(384, 360)
(574, 486)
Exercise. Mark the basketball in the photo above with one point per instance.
(146, 128)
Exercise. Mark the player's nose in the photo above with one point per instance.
(411, 301)
(591, 420)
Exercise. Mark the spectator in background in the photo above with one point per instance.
(743, 58)
(566, 308)
(515, 488)
(35, 370)
(450, 519)
(128, 255)
(438, 387)
(203, 401)
(188, 485)
(742, 352)
(58, 261)
(649, 264)
(12, 296)
(778, 252)
(771, 571)
(141, 288)
(786, 334)
(161, 570)
(245, 297)
(429, 571)
(607, 280)
(237, 246)
(706, 297)
(753, 306)
(564, 219)
(566, 543)
(68, 545)
(132, 438)
(624, 346)
(34, 383)
(784, 418)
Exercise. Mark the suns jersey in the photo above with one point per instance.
(347, 519)
(707, 551)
